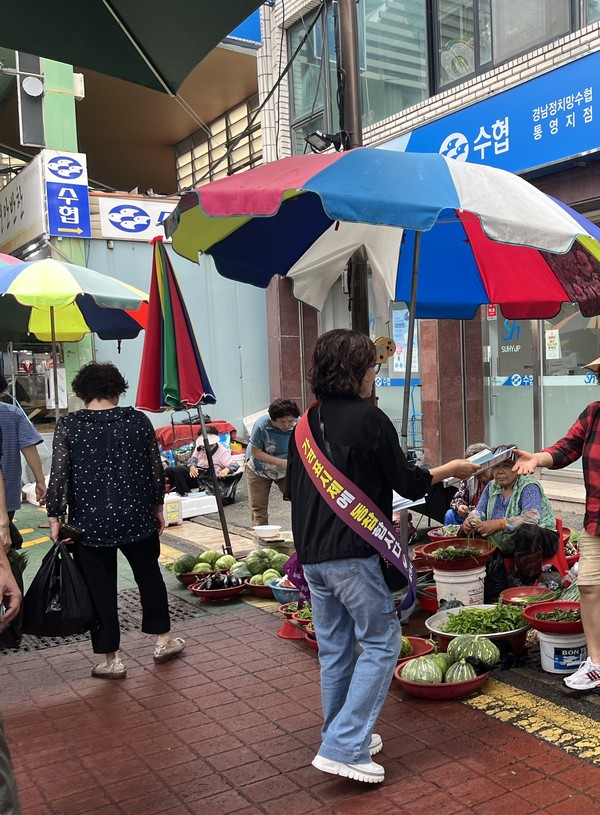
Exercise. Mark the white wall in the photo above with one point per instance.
(229, 320)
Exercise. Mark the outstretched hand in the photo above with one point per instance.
(462, 468)
(526, 463)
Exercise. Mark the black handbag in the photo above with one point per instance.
(57, 603)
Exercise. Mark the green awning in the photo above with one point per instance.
(149, 42)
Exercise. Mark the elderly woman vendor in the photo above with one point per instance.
(514, 513)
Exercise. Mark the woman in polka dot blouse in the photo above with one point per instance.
(106, 470)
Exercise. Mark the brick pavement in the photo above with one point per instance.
(232, 726)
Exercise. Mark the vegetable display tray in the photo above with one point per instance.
(553, 626)
(420, 647)
(301, 620)
(216, 595)
(517, 638)
(441, 690)
(516, 595)
(259, 591)
(461, 564)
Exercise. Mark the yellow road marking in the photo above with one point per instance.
(25, 531)
(36, 540)
(556, 725)
(168, 554)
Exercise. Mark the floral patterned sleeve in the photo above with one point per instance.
(58, 486)
(461, 497)
(158, 473)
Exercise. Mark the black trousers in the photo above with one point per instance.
(98, 566)
(532, 545)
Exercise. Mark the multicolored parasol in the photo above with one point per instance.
(172, 372)
(487, 236)
(77, 299)
(61, 302)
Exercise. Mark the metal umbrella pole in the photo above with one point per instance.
(215, 481)
(412, 307)
(54, 366)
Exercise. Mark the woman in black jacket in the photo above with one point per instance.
(106, 470)
(353, 610)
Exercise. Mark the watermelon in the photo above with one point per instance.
(474, 645)
(185, 563)
(278, 561)
(225, 562)
(257, 562)
(443, 661)
(407, 649)
(422, 669)
(256, 580)
(461, 671)
(210, 556)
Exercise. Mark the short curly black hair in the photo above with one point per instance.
(283, 407)
(99, 380)
(340, 361)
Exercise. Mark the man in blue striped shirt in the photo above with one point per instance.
(18, 436)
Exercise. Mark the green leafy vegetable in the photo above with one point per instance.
(495, 620)
(559, 615)
(455, 552)
(546, 597)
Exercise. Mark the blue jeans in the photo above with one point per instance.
(359, 642)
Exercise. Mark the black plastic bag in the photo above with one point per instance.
(227, 486)
(57, 604)
(496, 578)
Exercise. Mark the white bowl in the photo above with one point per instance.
(267, 532)
(435, 623)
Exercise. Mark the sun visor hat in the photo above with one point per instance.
(593, 366)
(213, 438)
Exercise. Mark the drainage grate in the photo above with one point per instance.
(130, 619)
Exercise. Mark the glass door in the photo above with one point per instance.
(570, 341)
(509, 357)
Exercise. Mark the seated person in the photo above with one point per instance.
(469, 491)
(515, 515)
(196, 472)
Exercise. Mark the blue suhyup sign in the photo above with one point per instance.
(540, 122)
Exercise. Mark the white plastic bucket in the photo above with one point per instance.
(562, 654)
(465, 586)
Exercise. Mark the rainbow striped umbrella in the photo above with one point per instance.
(172, 372)
(444, 236)
(61, 302)
(486, 235)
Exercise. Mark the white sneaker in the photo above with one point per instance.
(376, 744)
(370, 773)
(586, 677)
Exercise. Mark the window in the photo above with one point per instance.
(205, 156)
(309, 84)
(520, 27)
(472, 36)
(592, 11)
(393, 65)
(393, 55)
(456, 37)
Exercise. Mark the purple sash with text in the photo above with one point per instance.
(354, 507)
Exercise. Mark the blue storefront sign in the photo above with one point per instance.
(67, 196)
(543, 121)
